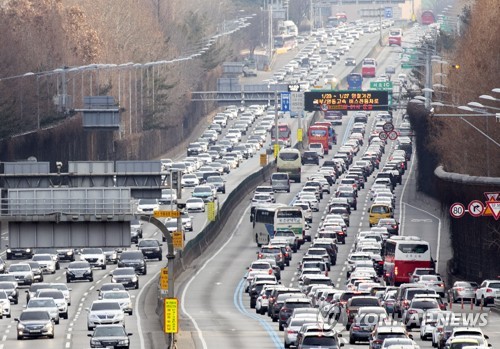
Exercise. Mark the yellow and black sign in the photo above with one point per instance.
(171, 315)
(211, 211)
(263, 159)
(346, 100)
(164, 279)
(178, 240)
(166, 214)
(276, 150)
(299, 134)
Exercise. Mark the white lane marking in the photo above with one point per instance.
(91, 288)
(68, 336)
(68, 344)
(57, 278)
(184, 291)
(439, 231)
(86, 294)
(4, 338)
(401, 207)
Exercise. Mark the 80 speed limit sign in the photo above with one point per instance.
(457, 210)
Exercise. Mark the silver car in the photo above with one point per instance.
(104, 312)
(462, 290)
(292, 328)
(47, 304)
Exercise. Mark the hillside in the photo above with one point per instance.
(459, 147)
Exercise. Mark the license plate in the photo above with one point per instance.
(18, 254)
(148, 252)
(35, 331)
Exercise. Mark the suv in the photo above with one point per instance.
(95, 256)
(488, 291)
(288, 307)
(151, 249)
(310, 157)
(382, 332)
(218, 183)
(357, 302)
(133, 259)
(280, 181)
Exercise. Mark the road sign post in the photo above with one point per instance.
(263, 159)
(296, 101)
(457, 210)
(475, 208)
(381, 85)
(178, 239)
(211, 211)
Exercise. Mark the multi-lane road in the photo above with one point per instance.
(215, 310)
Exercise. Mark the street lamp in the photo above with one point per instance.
(489, 98)
(479, 105)
(496, 90)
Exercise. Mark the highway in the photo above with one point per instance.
(215, 310)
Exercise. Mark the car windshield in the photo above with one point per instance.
(34, 315)
(123, 271)
(79, 265)
(147, 202)
(202, 190)
(115, 295)
(56, 294)
(41, 303)
(132, 255)
(319, 341)
(42, 258)
(148, 243)
(109, 331)
(105, 306)
(112, 287)
(91, 251)
(19, 267)
(7, 285)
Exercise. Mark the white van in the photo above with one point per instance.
(290, 161)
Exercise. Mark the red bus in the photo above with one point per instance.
(402, 255)
(395, 35)
(427, 17)
(284, 134)
(368, 69)
(319, 134)
(332, 136)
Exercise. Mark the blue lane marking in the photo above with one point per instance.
(238, 303)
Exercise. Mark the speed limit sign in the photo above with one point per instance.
(457, 210)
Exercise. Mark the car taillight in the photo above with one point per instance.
(396, 271)
(378, 341)
(291, 331)
(441, 285)
(260, 255)
(489, 290)
(412, 311)
(394, 226)
(270, 272)
(405, 303)
(264, 296)
(459, 289)
(381, 262)
(440, 328)
(249, 269)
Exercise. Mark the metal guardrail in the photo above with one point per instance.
(41, 207)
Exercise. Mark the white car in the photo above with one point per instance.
(22, 272)
(47, 304)
(434, 282)
(58, 297)
(195, 205)
(5, 304)
(147, 206)
(104, 312)
(310, 199)
(122, 297)
(487, 292)
(66, 291)
(46, 262)
(94, 256)
(189, 180)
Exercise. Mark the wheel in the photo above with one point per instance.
(280, 327)
(286, 345)
(352, 341)
(16, 301)
(103, 267)
(9, 316)
(58, 266)
(65, 316)
(19, 338)
(53, 272)
(137, 286)
(57, 322)
(160, 258)
(91, 279)
(90, 328)
(68, 280)
(476, 302)
(51, 336)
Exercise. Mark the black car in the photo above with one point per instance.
(151, 249)
(134, 236)
(133, 259)
(310, 157)
(18, 253)
(111, 254)
(125, 276)
(66, 254)
(34, 323)
(105, 336)
(79, 270)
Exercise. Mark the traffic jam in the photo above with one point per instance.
(391, 294)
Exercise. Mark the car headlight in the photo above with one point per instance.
(123, 342)
(20, 326)
(69, 253)
(9, 250)
(134, 279)
(113, 280)
(95, 341)
(119, 316)
(28, 250)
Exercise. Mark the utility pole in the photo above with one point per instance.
(276, 130)
(380, 25)
(428, 78)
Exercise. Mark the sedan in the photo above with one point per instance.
(34, 323)
(123, 297)
(195, 205)
(391, 224)
(105, 336)
(46, 261)
(125, 276)
(189, 180)
(79, 271)
(5, 304)
(47, 304)
(462, 290)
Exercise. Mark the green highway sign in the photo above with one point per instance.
(407, 66)
(381, 85)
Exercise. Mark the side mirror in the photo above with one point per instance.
(89, 335)
(410, 336)
(129, 334)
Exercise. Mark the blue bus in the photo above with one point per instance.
(354, 81)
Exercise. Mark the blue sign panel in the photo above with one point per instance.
(285, 101)
(388, 12)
